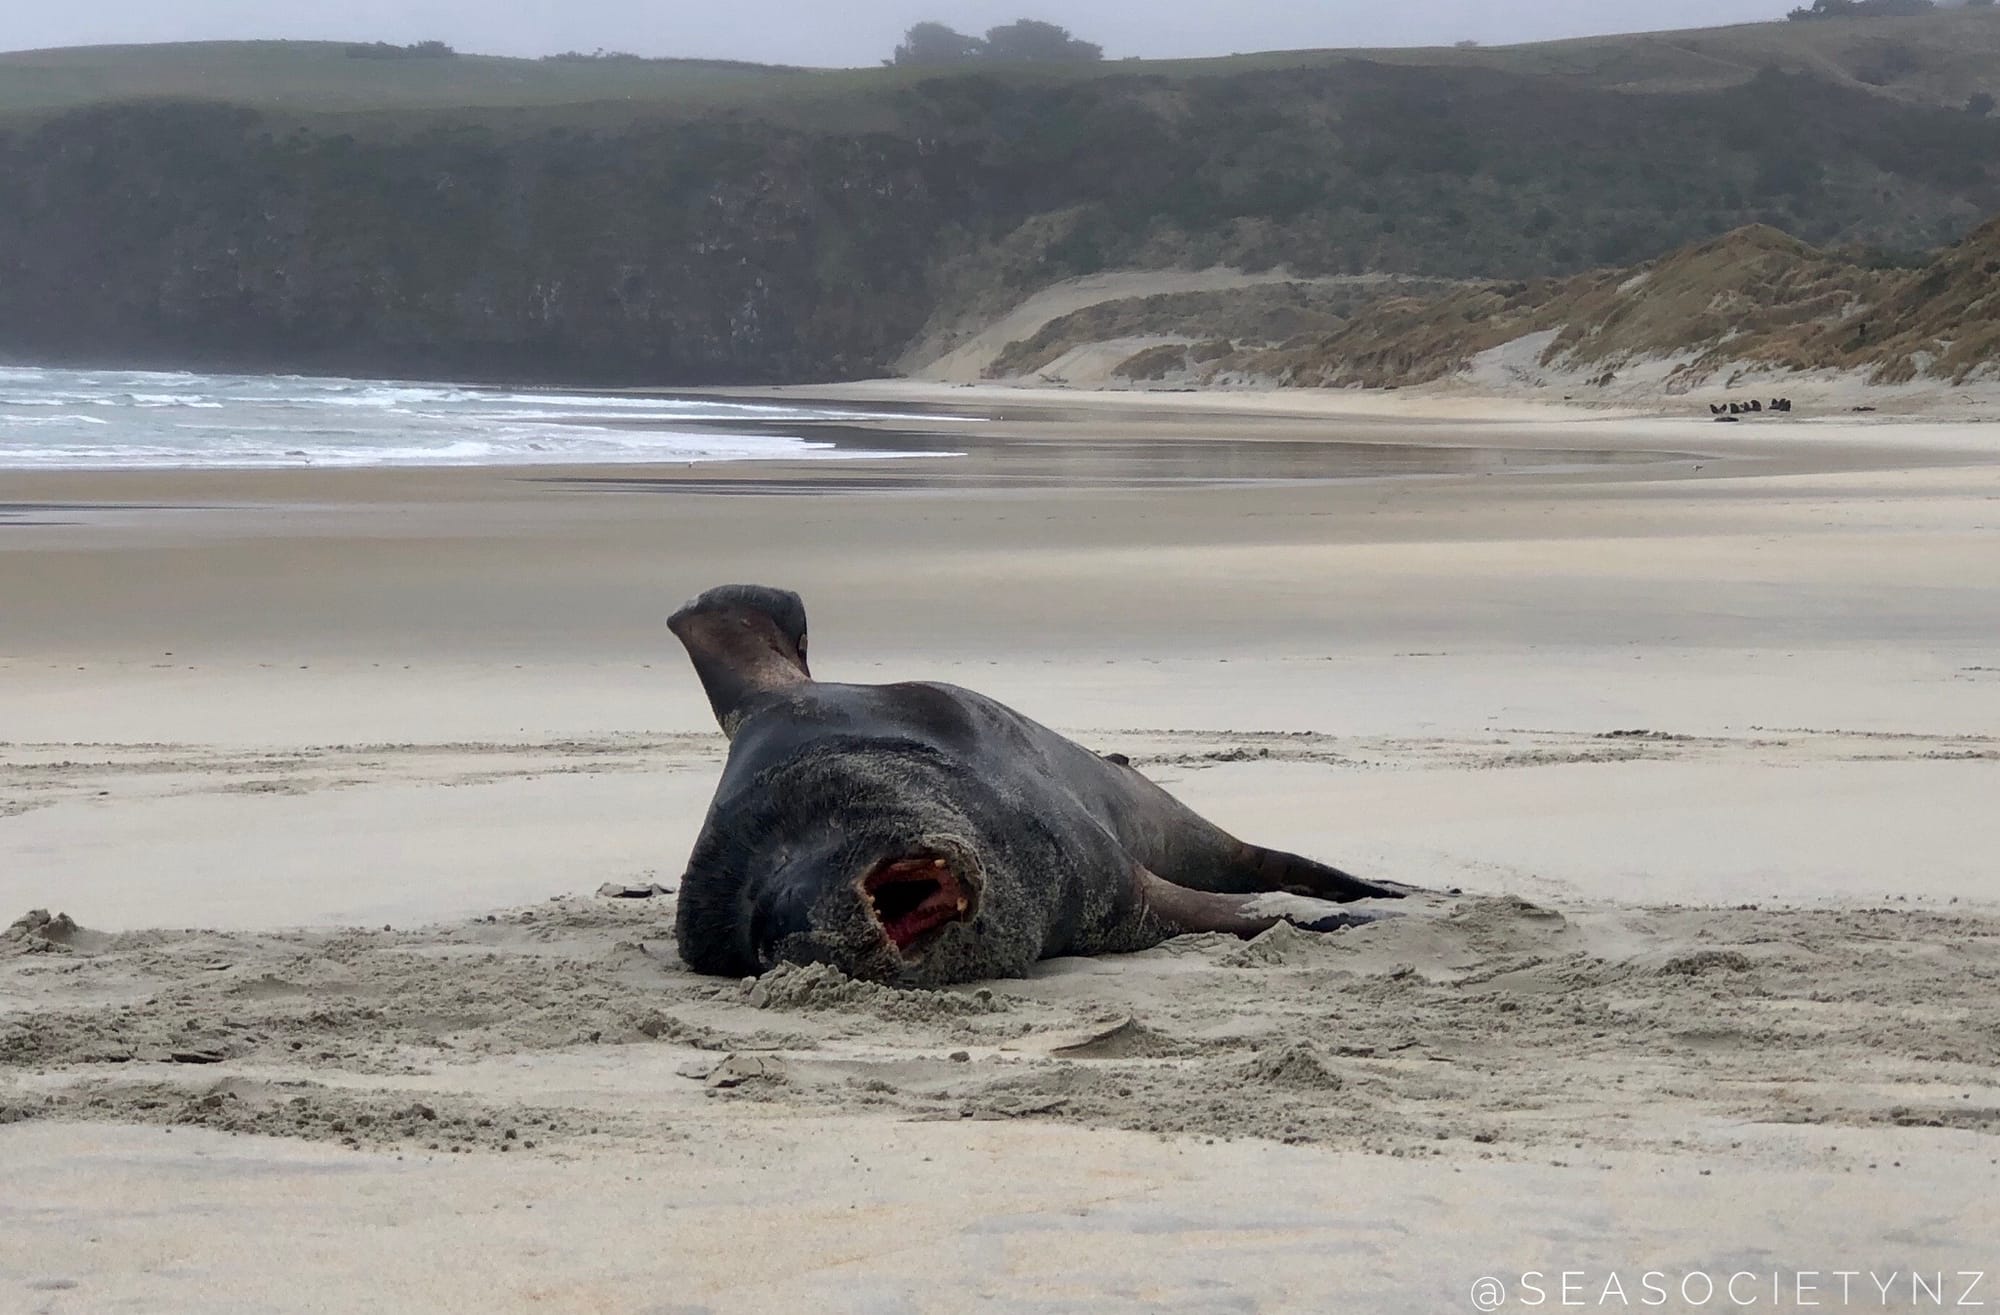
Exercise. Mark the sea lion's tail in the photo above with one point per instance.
(744, 639)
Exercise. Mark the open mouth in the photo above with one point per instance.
(915, 898)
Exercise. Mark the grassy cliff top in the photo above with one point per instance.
(322, 76)
(1941, 58)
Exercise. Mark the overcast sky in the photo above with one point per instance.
(847, 32)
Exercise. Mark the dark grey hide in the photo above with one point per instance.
(923, 834)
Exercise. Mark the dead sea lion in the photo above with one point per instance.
(921, 833)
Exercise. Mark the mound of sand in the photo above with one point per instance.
(37, 932)
(1295, 1065)
(1490, 1020)
(819, 986)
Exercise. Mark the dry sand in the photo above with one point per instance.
(1708, 736)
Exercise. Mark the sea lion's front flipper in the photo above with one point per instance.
(1187, 910)
(745, 639)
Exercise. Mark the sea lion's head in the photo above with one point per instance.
(882, 858)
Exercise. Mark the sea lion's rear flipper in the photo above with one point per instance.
(1190, 851)
(1185, 910)
(1258, 868)
(744, 639)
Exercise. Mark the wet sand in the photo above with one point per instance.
(1707, 732)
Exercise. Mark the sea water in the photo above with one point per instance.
(131, 419)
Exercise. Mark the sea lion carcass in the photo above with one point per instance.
(921, 833)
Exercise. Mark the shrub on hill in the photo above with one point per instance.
(416, 50)
(1027, 39)
(600, 55)
(1863, 9)
(1031, 40)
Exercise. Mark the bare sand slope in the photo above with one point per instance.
(961, 356)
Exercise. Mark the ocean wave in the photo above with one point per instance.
(376, 395)
(691, 408)
(142, 401)
(172, 399)
(8, 422)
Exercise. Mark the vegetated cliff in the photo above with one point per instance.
(713, 250)
(1752, 299)
(735, 241)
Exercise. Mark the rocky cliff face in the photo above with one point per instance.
(737, 247)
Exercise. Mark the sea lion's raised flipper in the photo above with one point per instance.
(745, 639)
(1187, 910)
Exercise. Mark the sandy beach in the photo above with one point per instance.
(327, 767)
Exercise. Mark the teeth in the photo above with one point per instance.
(937, 862)
(961, 906)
